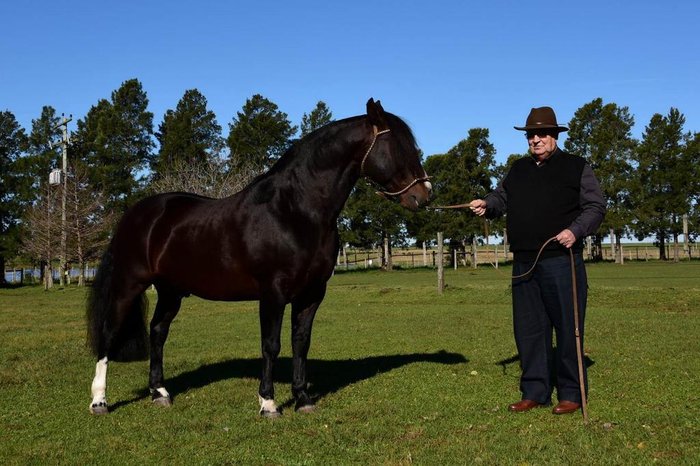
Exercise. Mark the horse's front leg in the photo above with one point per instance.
(166, 309)
(303, 312)
(271, 314)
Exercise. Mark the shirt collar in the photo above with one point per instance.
(547, 160)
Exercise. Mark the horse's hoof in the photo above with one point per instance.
(306, 409)
(99, 409)
(271, 414)
(164, 401)
(268, 408)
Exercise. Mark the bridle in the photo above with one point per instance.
(378, 133)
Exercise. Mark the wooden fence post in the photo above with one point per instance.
(440, 269)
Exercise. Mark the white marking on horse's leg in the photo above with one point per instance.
(99, 387)
(267, 406)
(161, 397)
(163, 392)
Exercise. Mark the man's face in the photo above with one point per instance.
(542, 143)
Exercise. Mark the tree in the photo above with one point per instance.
(115, 142)
(42, 231)
(692, 160)
(259, 135)
(86, 216)
(664, 181)
(13, 142)
(206, 178)
(602, 134)
(42, 156)
(319, 116)
(189, 134)
(463, 174)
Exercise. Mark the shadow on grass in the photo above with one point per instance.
(516, 358)
(326, 376)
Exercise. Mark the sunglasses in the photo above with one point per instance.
(541, 133)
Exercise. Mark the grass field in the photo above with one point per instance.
(404, 376)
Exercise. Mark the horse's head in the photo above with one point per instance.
(393, 159)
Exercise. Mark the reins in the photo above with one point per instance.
(378, 133)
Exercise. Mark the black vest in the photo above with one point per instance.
(541, 202)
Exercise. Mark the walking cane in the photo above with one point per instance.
(579, 350)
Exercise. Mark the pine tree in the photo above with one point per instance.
(188, 135)
(13, 143)
(602, 134)
(115, 142)
(319, 116)
(662, 190)
(259, 135)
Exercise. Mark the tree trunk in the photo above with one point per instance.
(2, 267)
(48, 277)
(598, 248)
(662, 246)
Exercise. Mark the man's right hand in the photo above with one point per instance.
(478, 206)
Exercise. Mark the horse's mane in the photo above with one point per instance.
(326, 137)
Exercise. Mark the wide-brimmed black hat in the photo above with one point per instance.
(541, 118)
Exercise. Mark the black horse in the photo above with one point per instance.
(275, 241)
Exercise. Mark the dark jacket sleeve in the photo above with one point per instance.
(496, 202)
(592, 205)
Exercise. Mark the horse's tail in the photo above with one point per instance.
(119, 334)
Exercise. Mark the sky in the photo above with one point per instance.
(443, 66)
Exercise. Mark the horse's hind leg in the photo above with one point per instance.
(99, 388)
(166, 309)
(127, 309)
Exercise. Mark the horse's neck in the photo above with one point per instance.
(326, 174)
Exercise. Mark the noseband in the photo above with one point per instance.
(364, 159)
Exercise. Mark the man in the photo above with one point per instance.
(548, 194)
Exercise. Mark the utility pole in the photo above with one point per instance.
(62, 266)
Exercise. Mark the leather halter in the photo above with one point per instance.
(378, 133)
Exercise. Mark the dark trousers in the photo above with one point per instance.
(543, 301)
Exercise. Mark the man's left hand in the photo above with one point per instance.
(566, 238)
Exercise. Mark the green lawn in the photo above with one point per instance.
(404, 376)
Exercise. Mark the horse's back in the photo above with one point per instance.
(146, 227)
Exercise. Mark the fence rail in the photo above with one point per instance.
(495, 255)
(362, 259)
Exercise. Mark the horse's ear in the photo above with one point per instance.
(375, 114)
